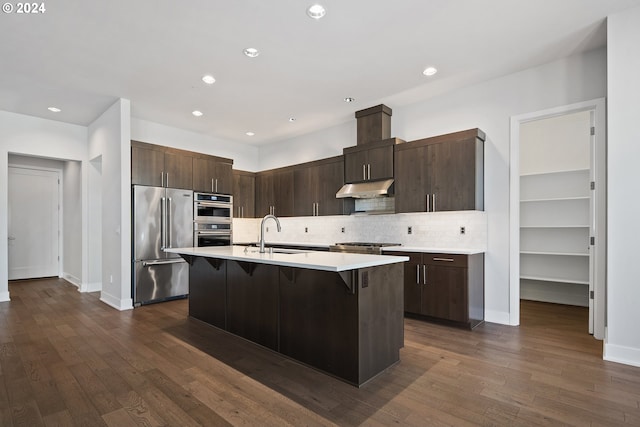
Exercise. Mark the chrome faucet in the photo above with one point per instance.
(266, 217)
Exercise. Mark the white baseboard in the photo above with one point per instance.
(501, 317)
(71, 279)
(621, 354)
(118, 304)
(90, 287)
(4, 296)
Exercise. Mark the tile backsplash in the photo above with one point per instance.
(429, 229)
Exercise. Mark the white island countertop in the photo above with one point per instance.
(313, 260)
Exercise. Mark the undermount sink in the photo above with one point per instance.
(275, 250)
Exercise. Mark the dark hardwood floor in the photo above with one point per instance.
(68, 359)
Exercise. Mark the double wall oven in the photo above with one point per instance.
(212, 219)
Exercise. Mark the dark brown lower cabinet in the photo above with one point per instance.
(445, 287)
(319, 321)
(208, 290)
(252, 302)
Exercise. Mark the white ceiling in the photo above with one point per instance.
(81, 55)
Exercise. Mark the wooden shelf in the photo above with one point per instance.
(556, 226)
(554, 279)
(554, 236)
(554, 199)
(586, 254)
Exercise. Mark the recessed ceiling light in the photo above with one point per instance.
(197, 113)
(349, 99)
(429, 71)
(208, 79)
(316, 11)
(250, 133)
(292, 119)
(54, 109)
(251, 52)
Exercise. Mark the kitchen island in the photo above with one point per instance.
(340, 313)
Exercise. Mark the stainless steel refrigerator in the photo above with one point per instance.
(162, 218)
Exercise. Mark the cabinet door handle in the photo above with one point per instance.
(417, 274)
(443, 259)
(161, 179)
(216, 185)
(369, 171)
(424, 274)
(242, 212)
(167, 179)
(428, 199)
(434, 202)
(364, 172)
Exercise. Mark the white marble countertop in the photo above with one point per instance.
(425, 249)
(313, 260)
(432, 250)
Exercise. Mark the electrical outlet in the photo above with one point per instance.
(463, 230)
(409, 230)
(111, 278)
(306, 230)
(267, 229)
(342, 229)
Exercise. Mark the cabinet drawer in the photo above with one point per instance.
(451, 260)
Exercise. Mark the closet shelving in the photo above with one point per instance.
(554, 236)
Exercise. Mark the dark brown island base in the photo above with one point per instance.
(347, 323)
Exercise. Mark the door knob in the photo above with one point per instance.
(11, 238)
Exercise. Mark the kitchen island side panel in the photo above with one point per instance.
(380, 318)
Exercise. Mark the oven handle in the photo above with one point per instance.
(213, 204)
(212, 233)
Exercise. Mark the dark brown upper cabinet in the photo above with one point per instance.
(244, 194)
(315, 185)
(213, 175)
(274, 192)
(370, 162)
(442, 173)
(160, 166)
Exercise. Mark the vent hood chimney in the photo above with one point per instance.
(373, 126)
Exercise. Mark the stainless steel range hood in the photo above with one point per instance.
(365, 190)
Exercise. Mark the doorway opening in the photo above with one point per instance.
(558, 209)
(45, 218)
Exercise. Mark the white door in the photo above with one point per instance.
(33, 223)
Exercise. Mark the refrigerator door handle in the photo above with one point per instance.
(169, 228)
(162, 224)
(162, 262)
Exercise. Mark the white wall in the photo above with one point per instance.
(72, 222)
(488, 106)
(556, 144)
(32, 136)
(623, 270)
(245, 156)
(109, 139)
(318, 145)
